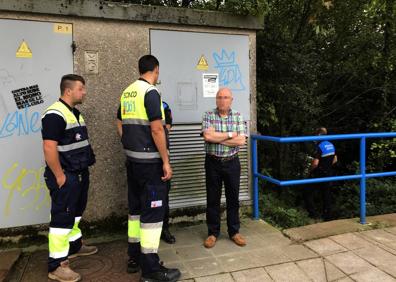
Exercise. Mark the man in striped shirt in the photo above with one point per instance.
(224, 131)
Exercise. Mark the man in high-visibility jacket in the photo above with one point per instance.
(68, 155)
(141, 125)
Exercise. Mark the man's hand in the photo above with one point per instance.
(167, 172)
(61, 180)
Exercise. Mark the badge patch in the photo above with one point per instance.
(78, 136)
(156, 204)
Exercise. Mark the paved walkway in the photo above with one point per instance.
(269, 256)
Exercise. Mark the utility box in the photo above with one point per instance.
(33, 57)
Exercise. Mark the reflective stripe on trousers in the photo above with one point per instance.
(134, 228)
(58, 242)
(75, 233)
(150, 237)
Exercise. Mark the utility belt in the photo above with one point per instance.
(222, 159)
(80, 174)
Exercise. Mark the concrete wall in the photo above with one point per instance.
(119, 44)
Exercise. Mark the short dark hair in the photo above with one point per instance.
(68, 80)
(147, 63)
(321, 131)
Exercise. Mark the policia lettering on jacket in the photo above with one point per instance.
(68, 154)
(141, 126)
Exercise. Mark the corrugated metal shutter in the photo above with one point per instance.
(187, 160)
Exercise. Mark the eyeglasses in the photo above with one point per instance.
(223, 98)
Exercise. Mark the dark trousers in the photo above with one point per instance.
(145, 187)
(67, 203)
(217, 173)
(319, 193)
(166, 215)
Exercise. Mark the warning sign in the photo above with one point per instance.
(24, 51)
(202, 63)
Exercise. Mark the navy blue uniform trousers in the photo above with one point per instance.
(67, 203)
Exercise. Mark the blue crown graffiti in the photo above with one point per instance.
(229, 73)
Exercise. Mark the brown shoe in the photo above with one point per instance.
(85, 251)
(239, 240)
(210, 242)
(64, 274)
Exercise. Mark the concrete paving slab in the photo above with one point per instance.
(187, 238)
(185, 273)
(351, 241)
(372, 275)
(332, 272)
(336, 227)
(314, 269)
(298, 252)
(376, 256)
(391, 230)
(216, 278)
(323, 229)
(257, 227)
(269, 256)
(7, 261)
(168, 255)
(192, 252)
(286, 272)
(325, 247)
(275, 239)
(204, 267)
(234, 262)
(349, 263)
(251, 275)
(252, 243)
(380, 236)
(383, 219)
(345, 279)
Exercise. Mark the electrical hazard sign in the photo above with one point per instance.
(202, 63)
(24, 51)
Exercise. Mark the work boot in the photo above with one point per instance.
(64, 274)
(239, 240)
(133, 266)
(84, 251)
(167, 236)
(210, 241)
(165, 274)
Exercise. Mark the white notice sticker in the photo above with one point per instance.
(156, 204)
(210, 85)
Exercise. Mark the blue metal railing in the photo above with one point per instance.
(362, 175)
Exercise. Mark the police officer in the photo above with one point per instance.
(322, 166)
(68, 155)
(141, 125)
(166, 235)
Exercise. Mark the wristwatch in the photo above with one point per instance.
(229, 135)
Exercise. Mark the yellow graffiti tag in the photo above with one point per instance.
(22, 181)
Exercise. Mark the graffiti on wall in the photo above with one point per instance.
(229, 70)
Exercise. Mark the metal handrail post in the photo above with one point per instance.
(255, 179)
(363, 180)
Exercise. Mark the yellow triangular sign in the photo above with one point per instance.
(24, 51)
(202, 63)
